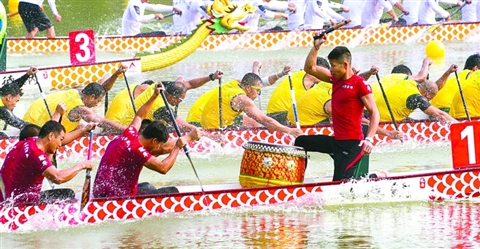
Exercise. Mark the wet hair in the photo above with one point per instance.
(401, 69)
(144, 124)
(429, 86)
(11, 89)
(340, 53)
(147, 82)
(472, 61)
(94, 89)
(250, 79)
(174, 88)
(29, 130)
(323, 62)
(156, 130)
(51, 126)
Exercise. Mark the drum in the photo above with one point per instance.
(266, 164)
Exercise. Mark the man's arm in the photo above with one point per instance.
(366, 75)
(422, 75)
(89, 115)
(65, 175)
(441, 115)
(246, 104)
(145, 108)
(443, 79)
(10, 119)
(311, 67)
(198, 82)
(371, 107)
(168, 146)
(21, 81)
(166, 164)
(108, 84)
(70, 136)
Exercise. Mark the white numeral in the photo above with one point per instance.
(83, 47)
(468, 133)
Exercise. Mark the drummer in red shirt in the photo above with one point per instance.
(27, 164)
(350, 95)
(125, 156)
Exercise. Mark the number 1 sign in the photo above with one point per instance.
(465, 150)
(82, 47)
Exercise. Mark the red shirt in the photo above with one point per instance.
(120, 166)
(22, 171)
(347, 107)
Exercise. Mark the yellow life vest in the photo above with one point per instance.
(444, 97)
(37, 112)
(139, 102)
(281, 99)
(210, 118)
(387, 81)
(120, 104)
(195, 113)
(471, 92)
(310, 105)
(397, 98)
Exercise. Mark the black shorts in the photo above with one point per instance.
(281, 117)
(346, 153)
(146, 188)
(33, 17)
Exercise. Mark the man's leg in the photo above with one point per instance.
(347, 156)
(51, 32)
(31, 34)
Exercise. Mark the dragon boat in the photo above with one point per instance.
(418, 131)
(157, 52)
(462, 182)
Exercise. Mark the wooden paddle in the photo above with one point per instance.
(388, 105)
(179, 134)
(463, 97)
(130, 93)
(294, 102)
(54, 157)
(331, 29)
(12, 14)
(43, 96)
(86, 184)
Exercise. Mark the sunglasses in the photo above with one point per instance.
(256, 88)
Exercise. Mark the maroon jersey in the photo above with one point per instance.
(22, 172)
(347, 107)
(120, 166)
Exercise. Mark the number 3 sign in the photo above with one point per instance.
(82, 47)
(465, 150)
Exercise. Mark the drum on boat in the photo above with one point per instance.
(265, 164)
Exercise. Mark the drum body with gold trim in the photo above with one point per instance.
(266, 164)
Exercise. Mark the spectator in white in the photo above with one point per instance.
(429, 8)
(469, 11)
(296, 18)
(318, 12)
(262, 9)
(192, 13)
(412, 6)
(355, 13)
(134, 15)
(373, 11)
(34, 19)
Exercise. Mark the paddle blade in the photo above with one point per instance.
(86, 191)
(433, 28)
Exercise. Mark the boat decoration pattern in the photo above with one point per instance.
(419, 131)
(258, 40)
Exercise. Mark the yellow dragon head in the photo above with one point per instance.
(231, 16)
